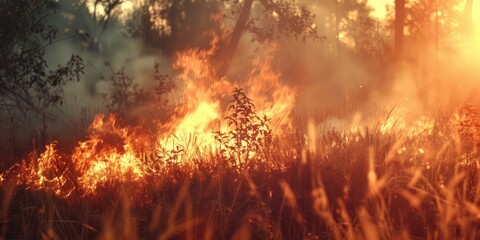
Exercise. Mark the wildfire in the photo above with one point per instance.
(113, 154)
(49, 171)
(202, 93)
(110, 154)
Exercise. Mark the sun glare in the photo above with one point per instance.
(379, 8)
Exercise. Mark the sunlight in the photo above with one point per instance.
(476, 21)
(379, 10)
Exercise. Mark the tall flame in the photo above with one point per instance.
(110, 154)
(116, 155)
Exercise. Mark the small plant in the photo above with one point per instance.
(126, 94)
(248, 131)
(165, 85)
(123, 92)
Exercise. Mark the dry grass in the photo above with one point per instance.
(351, 185)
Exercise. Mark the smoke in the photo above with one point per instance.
(104, 50)
(348, 78)
(351, 76)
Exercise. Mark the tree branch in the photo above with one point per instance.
(225, 56)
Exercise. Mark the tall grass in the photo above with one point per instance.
(366, 184)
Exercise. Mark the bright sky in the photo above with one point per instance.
(379, 7)
(476, 22)
(380, 11)
(476, 12)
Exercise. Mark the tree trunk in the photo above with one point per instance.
(226, 54)
(399, 25)
(172, 37)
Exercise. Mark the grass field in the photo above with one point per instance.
(222, 167)
(358, 184)
(255, 119)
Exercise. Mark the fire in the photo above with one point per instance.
(202, 93)
(45, 172)
(399, 120)
(118, 155)
(111, 153)
(275, 99)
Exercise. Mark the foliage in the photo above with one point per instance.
(176, 24)
(125, 94)
(283, 18)
(103, 10)
(249, 132)
(26, 81)
(164, 86)
(435, 21)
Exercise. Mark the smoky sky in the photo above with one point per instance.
(332, 79)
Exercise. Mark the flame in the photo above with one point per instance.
(46, 172)
(110, 154)
(202, 93)
(274, 99)
(116, 155)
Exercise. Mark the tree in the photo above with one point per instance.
(176, 25)
(26, 81)
(399, 25)
(289, 17)
(103, 10)
(183, 24)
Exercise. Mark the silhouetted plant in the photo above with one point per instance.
(125, 93)
(164, 86)
(249, 131)
(26, 81)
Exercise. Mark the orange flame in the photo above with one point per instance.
(46, 172)
(110, 154)
(113, 155)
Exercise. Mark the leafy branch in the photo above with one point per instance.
(249, 132)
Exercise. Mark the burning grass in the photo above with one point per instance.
(261, 175)
(354, 184)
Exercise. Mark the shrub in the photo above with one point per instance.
(248, 132)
